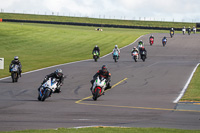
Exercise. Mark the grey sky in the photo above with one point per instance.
(165, 10)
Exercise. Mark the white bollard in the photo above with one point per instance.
(1, 63)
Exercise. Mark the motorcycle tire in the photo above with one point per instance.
(96, 94)
(45, 95)
(39, 98)
(115, 59)
(143, 58)
(135, 59)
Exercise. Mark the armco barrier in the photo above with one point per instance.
(90, 24)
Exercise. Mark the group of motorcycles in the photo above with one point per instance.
(189, 30)
(51, 85)
(45, 90)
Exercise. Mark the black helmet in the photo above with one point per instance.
(104, 68)
(58, 72)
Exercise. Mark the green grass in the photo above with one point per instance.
(108, 130)
(95, 21)
(39, 45)
(193, 91)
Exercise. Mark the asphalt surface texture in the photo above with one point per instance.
(142, 94)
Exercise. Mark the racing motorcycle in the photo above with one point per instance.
(115, 56)
(95, 55)
(183, 30)
(135, 56)
(14, 72)
(47, 88)
(151, 41)
(143, 55)
(189, 31)
(194, 30)
(164, 41)
(171, 34)
(98, 88)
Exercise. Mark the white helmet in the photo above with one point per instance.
(16, 58)
(116, 46)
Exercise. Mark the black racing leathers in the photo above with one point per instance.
(105, 75)
(96, 49)
(16, 62)
(60, 79)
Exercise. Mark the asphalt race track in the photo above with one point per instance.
(143, 98)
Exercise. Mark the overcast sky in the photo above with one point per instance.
(165, 10)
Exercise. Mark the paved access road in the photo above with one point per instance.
(143, 99)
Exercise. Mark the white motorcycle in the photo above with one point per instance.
(183, 30)
(194, 30)
(135, 56)
(98, 88)
(47, 88)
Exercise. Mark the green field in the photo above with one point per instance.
(108, 130)
(192, 93)
(39, 45)
(95, 21)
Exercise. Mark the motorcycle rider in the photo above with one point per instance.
(96, 48)
(105, 74)
(194, 29)
(140, 44)
(172, 30)
(116, 49)
(134, 50)
(183, 30)
(189, 30)
(164, 39)
(58, 75)
(16, 62)
(151, 37)
(143, 49)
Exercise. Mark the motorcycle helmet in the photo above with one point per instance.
(16, 58)
(172, 28)
(134, 48)
(58, 72)
(116, 46)
(96, 46)
(104, 68)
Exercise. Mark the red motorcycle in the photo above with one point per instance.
(151, 41)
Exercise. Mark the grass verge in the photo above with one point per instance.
(95, 20)
(192, 93)
(108, 130)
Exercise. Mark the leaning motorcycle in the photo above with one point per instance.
(115, 56)
(98, 87)
(14, 72)
(47, 88)
(151, 41)
(135, 56)
(95, 55)
(143, 55)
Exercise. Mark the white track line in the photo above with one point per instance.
(71, 62)
(186, 85)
